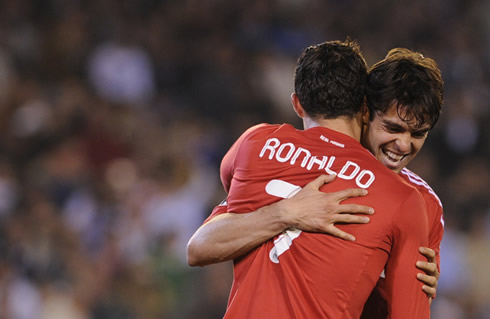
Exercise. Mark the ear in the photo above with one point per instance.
(365, 113)
(298, 108)
(364, 120)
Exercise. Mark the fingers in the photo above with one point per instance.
(336, 196)
(351, 219)
(320, 181)
(431, 292)
(349, 193)
(429, 253)
(429, 268)
(355, 209)
(430, 285)
(430, 281)
(334, 231)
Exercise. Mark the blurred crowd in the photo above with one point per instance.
(114, 116)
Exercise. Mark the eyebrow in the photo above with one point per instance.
(392, 124)
(402, 128)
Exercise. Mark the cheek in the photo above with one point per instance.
(417, 145)
(381, 139)
(372, 142)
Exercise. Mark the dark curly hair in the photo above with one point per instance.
(330, 79)
(411, 81)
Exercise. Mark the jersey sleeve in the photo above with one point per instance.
(436, 230)
(410, 231)
(434, 210)
(218, 210)
(228, 163)
(227, 169)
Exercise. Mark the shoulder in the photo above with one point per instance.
(421, 185)
(262, 128)
(258, 131)
(264, 131)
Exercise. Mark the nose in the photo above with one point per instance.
(404, 143)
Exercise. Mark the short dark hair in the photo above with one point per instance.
(411, 81)
(330, 79)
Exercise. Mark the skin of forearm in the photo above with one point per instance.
(231, 235)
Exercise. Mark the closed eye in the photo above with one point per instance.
(420, 134)
(393, 128)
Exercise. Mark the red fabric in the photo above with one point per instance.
(319, 276)
(375, 307)
(434, 211)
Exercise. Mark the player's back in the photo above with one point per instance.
(307, 275)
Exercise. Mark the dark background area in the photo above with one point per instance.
(114, 116)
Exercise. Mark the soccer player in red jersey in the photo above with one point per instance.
(232, 235)
(311, 275)
(404, 92)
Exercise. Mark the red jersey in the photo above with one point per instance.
(434, 211)
(311, 275)
(376, 306)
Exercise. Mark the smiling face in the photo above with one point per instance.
(392, 140)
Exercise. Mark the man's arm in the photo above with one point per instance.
(431, 267)
(375, 306)
(403, 291)
(228, 235)
(430, 276)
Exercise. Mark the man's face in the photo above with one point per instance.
(393, 141)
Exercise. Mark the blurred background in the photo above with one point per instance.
(114, 116)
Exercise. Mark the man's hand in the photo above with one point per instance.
(312, 210)
(228, 235)
(431, 275)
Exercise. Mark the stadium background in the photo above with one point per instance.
(114, 116)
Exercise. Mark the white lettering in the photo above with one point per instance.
(271, 148)
(330, 163)
(346, 167)
(282, 244)
(370, 180)
(298, 153)
(286, 158)
(314, 160)
(284, 152)
(282, 189)
(337, 144)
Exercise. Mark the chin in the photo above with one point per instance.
(392, 167)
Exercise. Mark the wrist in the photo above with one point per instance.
(278, 216)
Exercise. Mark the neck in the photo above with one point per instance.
(345, 125)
